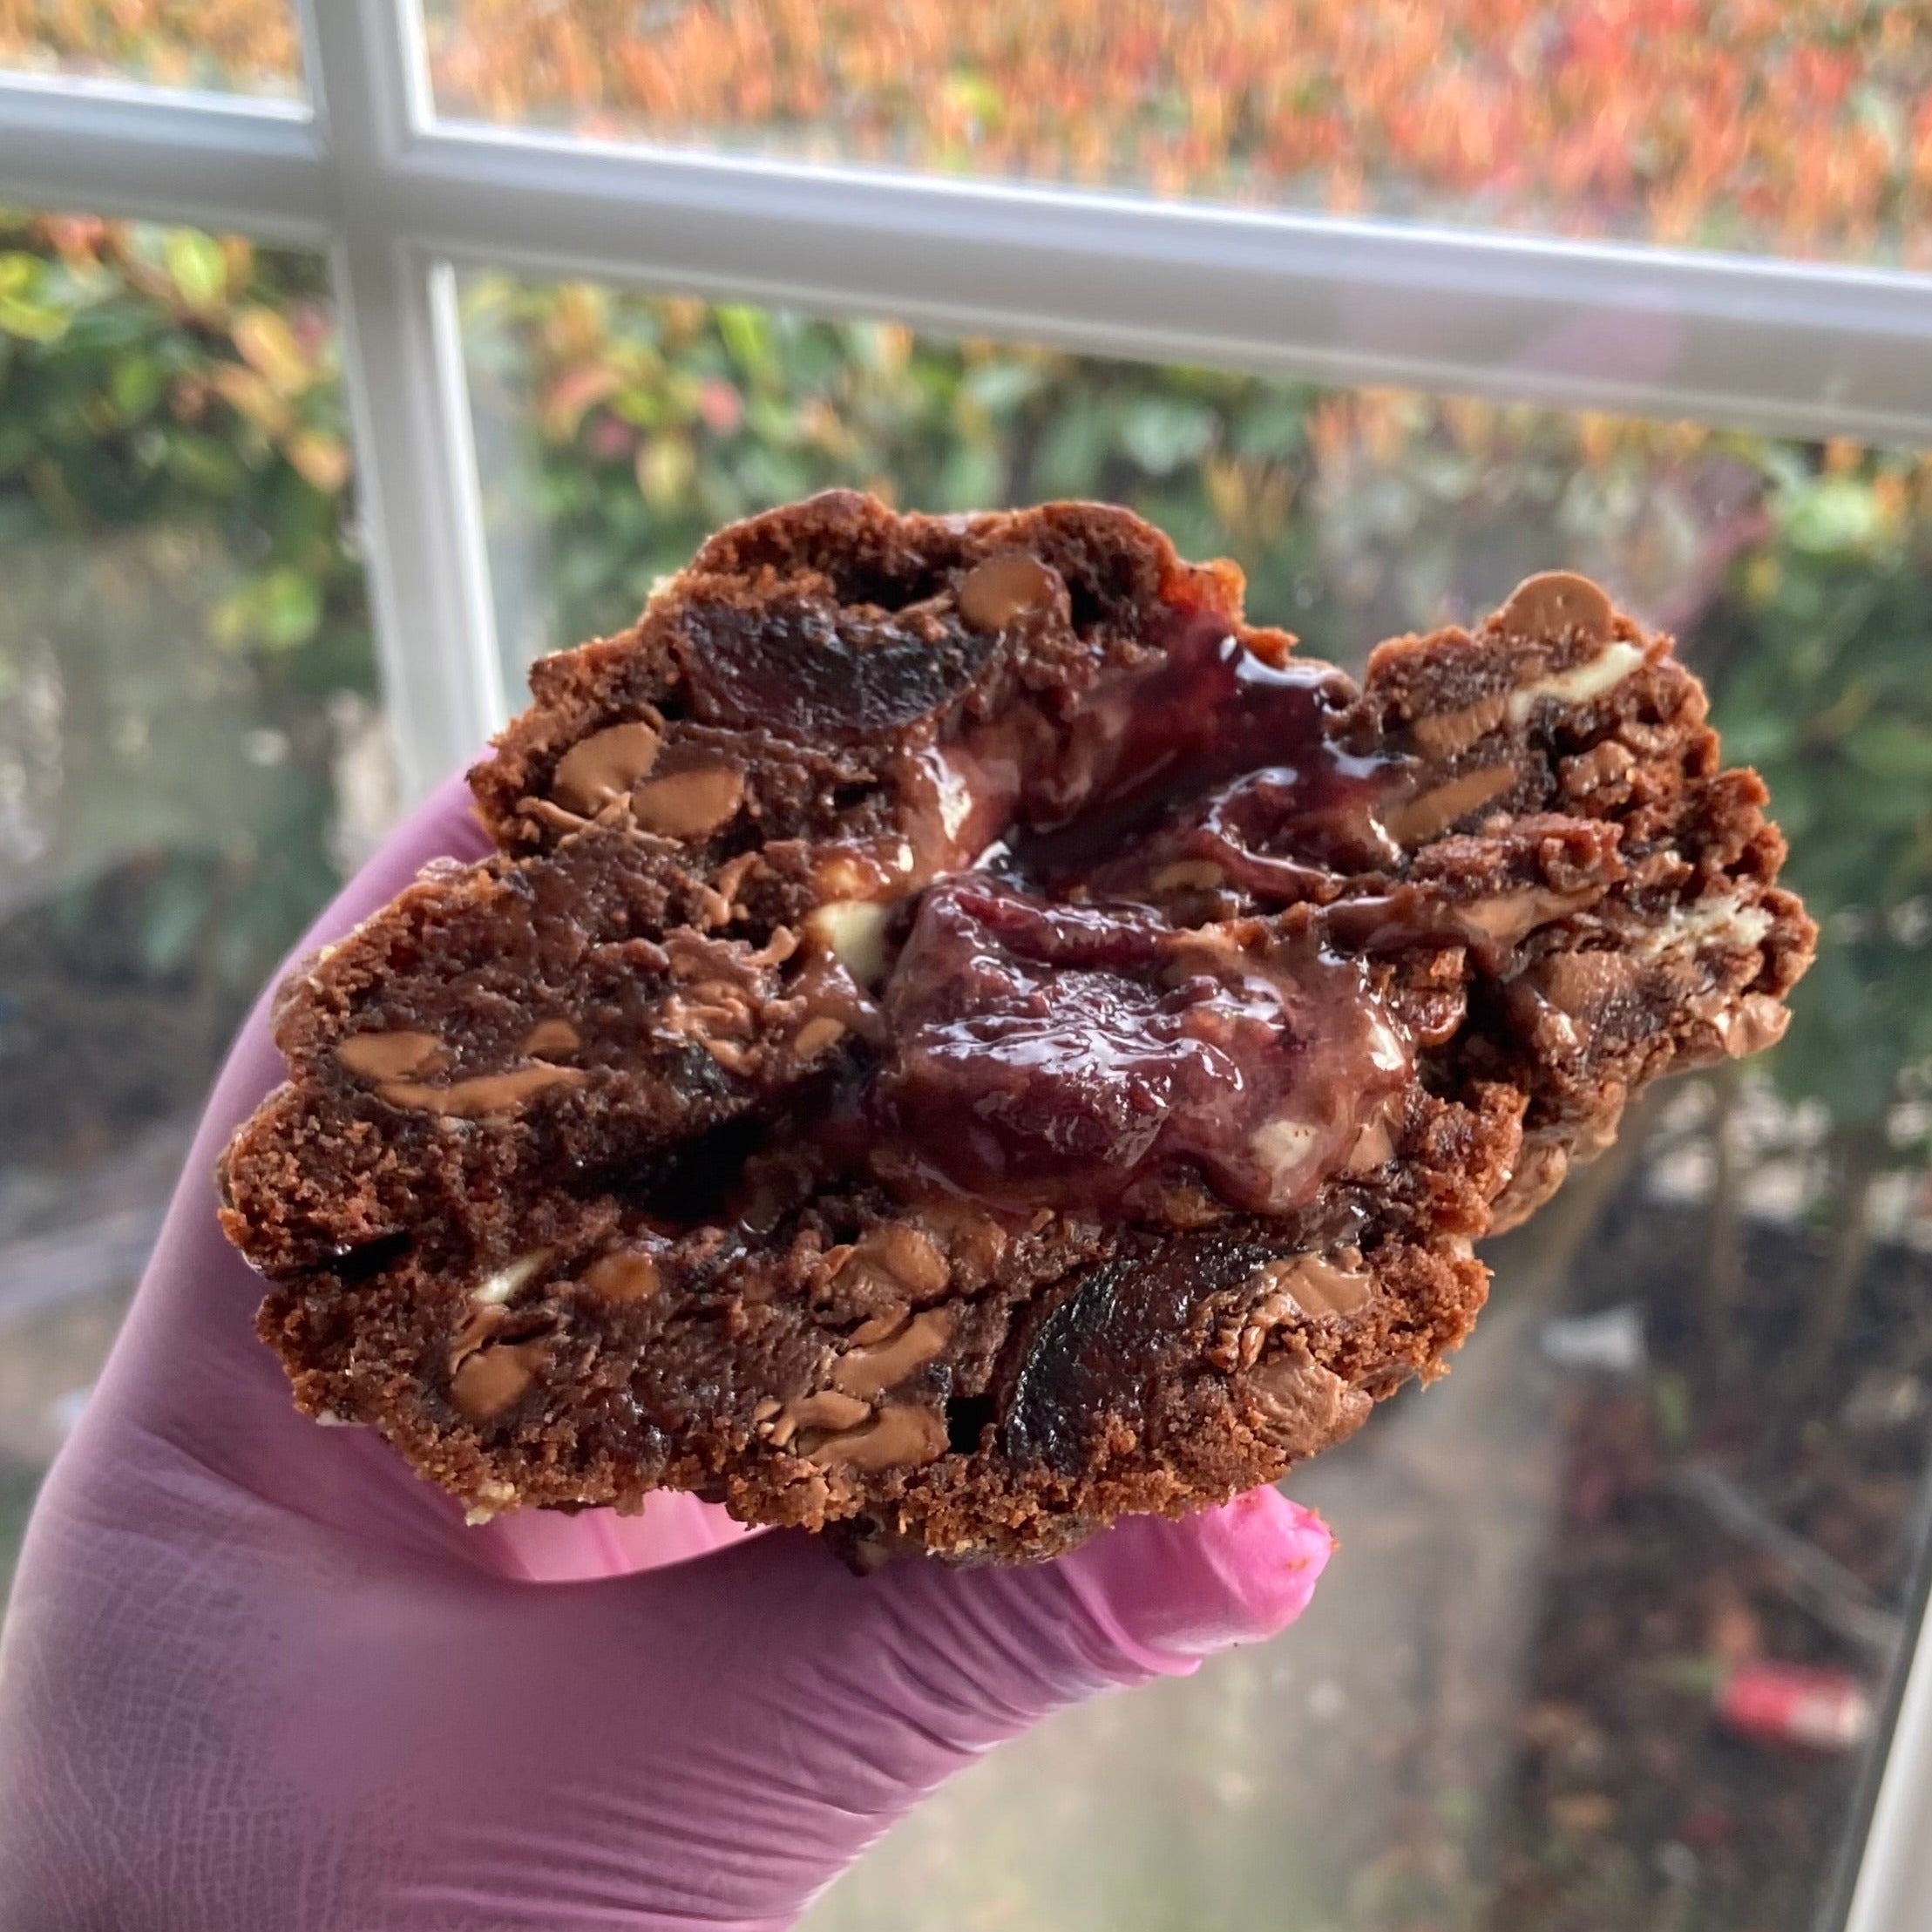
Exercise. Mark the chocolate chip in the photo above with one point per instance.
(853, 932)
(1758, 1022)
(1508, 917)
(884, 1365)
(1603, 765)
(487, 1383)
(1556, 603)
(816, 1034)
(551, 1036)
(902, 1435)
(1539, 1172)
(1415, 820)
(627, 1274)
(827, 1409)
(1008, 586)
(603, 768)
(875, 1328)
(1316, 1285)
(1375, 1146)
(1299, 1406)
(689, 805)
(389, 1055)
(510, 1279)
(481, 1324)
(1584, 984)
(470, 1100)
(1443, 734)
(1189, 875)
(904, 1256)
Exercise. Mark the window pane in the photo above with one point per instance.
(1705, 123)
(1519, 1699)
(190, 748)
(221, 46)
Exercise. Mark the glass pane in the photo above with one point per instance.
(1548, 1681)
(1798, 130)
(219, 46)
(190, 748)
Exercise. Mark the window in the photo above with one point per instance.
(190, 752)
(1690, 1447)
(250, 47)
(1796, 130)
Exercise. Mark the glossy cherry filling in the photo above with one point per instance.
(1092, 1056)
(1058, 1035)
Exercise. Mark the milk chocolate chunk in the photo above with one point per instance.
(963, 1037)
(600, 769)
(1006, 587)
(1557, 602)
(688, 804)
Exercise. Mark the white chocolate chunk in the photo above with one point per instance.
(1386, 1051)
(1579, 684)
(853, 931)
(499, 1287)
(1725, 920)
(1282, 1146)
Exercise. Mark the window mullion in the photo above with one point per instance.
(126, 149)
(1779, 346)
(1894, 1870)
(421, 507)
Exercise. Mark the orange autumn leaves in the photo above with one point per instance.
(1752, 124)
(1731, 123)
(248, 46)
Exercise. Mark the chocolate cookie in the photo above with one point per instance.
(966, 1037)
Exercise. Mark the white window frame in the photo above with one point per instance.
(400, 202)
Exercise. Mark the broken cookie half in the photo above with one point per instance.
(965, 1037)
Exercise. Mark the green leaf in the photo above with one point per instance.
(290, 604)
(204, 463)
(1266, 429)
(135, 381)
(747, 334)
(197, 268)
(1834, 514)
(1897, 751)
(1000, 387)
(972, 478)
(34, 321)
(1072, 452)
(966, 92)
(1161, 433)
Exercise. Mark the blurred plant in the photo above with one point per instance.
(184, 613)
(249, 46)
(1829, 696)
(1733, 123)
(151, 374)
(619, 430)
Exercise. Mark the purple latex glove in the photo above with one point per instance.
(257, 1675)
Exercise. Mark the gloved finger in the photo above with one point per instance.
(545, 1546)
(745, 1726)
(1165, 1595)
(443, 826)
(417, 1745)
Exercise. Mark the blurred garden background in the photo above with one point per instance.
(1691, 1452)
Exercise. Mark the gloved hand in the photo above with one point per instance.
(256, 1675)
